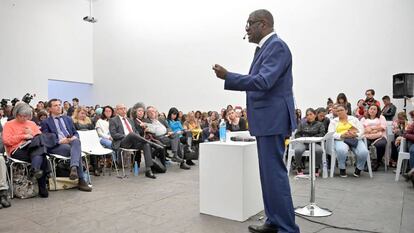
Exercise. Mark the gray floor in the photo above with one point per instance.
(170, 204)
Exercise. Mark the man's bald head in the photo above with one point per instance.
(264, 15)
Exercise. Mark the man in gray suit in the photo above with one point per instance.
(124, 135)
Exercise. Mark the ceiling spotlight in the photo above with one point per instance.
(89, 18)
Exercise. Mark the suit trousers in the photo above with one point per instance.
(277, 198)
(133, 141)
(72, 151)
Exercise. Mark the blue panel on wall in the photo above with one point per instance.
(68, 90)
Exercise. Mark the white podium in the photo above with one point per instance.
(229, 180)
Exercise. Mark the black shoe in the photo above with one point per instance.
(4, 200)
(184, 166)
(83, 186)
(190, 163)
(265, 228)
(43, 192)
(376, 166)
(73, 173)
(342, 173)
(149, 174)
(177, 159)
(357, 172)
(36, 173)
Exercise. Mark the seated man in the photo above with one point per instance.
(164, 133)
(126, 136)
(67, 139)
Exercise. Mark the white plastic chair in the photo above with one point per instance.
(90, 145)
(291, 153)
(403, 154)
(54, 157)
(333, 157)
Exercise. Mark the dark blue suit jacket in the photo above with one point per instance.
(270, 104)
(48, 126)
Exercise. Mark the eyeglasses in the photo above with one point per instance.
(250, 23)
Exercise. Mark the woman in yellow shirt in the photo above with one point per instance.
(347, 132)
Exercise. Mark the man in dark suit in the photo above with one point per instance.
(125, 135)
(67, 139)
(270, 110)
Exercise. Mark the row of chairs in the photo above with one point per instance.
(327, 145)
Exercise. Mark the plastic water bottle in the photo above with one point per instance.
(222, 130)
(136, 168)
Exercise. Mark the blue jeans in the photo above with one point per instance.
(411, 156)
(108, 144)
(361, 153)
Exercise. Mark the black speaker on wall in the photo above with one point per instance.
(403, 85)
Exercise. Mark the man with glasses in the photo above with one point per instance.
(270, 110)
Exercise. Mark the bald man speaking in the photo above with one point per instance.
(270, 110)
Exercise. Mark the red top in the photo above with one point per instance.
(14, 134)
(409, 132)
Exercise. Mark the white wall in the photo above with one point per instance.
(161, 52)
(41, 40)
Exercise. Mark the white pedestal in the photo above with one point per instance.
(229, 180)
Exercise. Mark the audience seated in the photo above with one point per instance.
(162, 132)
(389, 109)
(321, 116)
(81, 120)
(375, 127)
(193, 125)
(22, 140)
(399, 127)
(102, 128)
(309, 128)
(211, 133)
(67, 141)
(409, 135)
(341, 99)
(126, 136)
(40, 116)
(234, 122)
(75, 104)
(347, 132)
(138, 116)
(360, 110)
(369, 100)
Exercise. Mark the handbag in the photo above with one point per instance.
(351, 142)
(23, 187)
(157, 166)
(190, 155)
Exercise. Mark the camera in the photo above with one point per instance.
(14, 101)
(3, 102)
(27, 98)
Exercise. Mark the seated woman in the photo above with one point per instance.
(347, 130)
(211, 133)
(399, 126)
(81, 120)
(360, 110)
(19, 139)
(102, 128)
(192, 124)
(310, 128)
(186, 136)
(341, 99)
(235, 123)
(375, 126)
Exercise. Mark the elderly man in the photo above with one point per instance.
(67, 139)
(164, 133)
(270, 109)
(125, 135)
